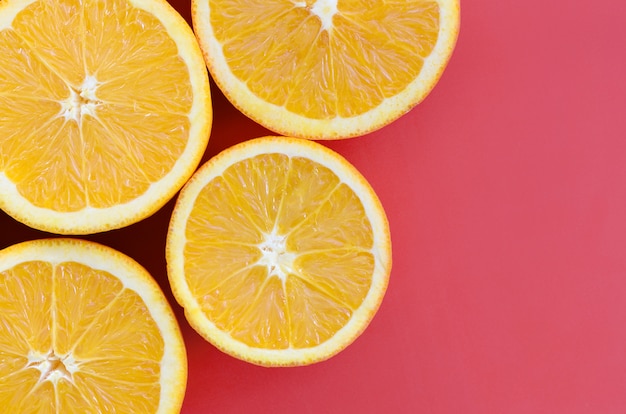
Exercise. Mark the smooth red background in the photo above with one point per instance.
(506, 194)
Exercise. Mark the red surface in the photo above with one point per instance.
(506, 194)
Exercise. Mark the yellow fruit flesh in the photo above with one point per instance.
(63, 352)
(93, 106)
(342, 57)
(269, 254)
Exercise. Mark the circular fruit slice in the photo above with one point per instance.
(85, 329)
(105, 111)
(279, 251)
(326, 69)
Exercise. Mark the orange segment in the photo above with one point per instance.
(341, 221)
(70, 277)
(55, 176)
(56, 46)
(108, 111)
(24, 140)
(266, 321)
(316, 316)
(308, 186)
(341, 273)
(279, 251)
(38, 82)
(228, 222)
(259, 193)
(85, 329)
(326, 69)
(217, 262)
(232, 297)
(25, 311)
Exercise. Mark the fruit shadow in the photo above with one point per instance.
(230, 126)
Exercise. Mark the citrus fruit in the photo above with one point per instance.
(279, 251)
(326, 69)
(85, 329)
(105, 111)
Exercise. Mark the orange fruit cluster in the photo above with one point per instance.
(278, 249)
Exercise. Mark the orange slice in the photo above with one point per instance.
(279, 251)
(85, 329)
(326, 69)
(105, 111)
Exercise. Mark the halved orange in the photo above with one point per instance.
(279, 251)
(105, 111)
(326, 69)
(85, 329)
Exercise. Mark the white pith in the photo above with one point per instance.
(52, 367)
(81, 102)
(323, 9)
(278, 260)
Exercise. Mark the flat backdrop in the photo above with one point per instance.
(506, 194)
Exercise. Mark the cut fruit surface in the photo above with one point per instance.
(326, 69)
(279, 251)
(85, 329)
(105, 111)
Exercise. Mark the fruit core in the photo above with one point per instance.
(82, 101)
(52, 367)
(278, 260)
(323, 9)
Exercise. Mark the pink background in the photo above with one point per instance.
(506, 194)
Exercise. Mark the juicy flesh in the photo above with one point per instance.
(93, 103)
(326, 58)
(73, 339)
(278, 252)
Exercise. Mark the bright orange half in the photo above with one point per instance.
(279, 251)
(85, 329)
(326, 69)
(105, 111)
